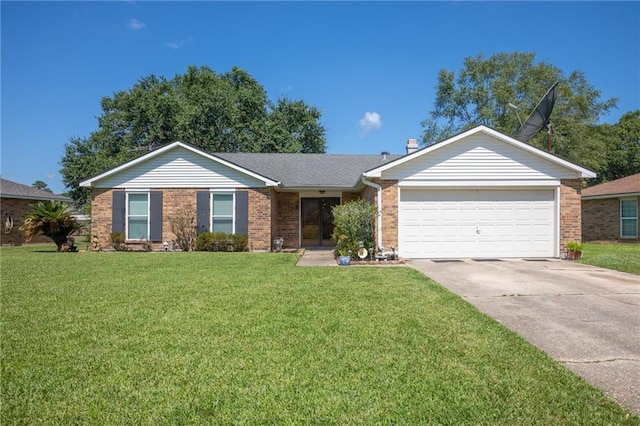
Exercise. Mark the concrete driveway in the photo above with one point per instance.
(585, 317)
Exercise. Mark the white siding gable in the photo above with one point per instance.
(179, 168)
(479, 158)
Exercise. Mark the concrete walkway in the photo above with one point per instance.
(317, 257)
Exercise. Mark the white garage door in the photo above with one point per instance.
(476, 223)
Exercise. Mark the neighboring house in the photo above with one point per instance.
(15, 202)
(610, 210)
(480, 194)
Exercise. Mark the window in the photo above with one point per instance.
(629, 218)
(222, 208)
(137, 216)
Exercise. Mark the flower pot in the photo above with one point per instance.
(344, 260)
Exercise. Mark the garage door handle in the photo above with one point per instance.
(477, 230)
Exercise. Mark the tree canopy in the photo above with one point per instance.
(482, 91)
(228, 112)
(41, 185)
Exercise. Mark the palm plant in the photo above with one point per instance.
(53, 219)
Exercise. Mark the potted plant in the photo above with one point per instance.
(344, 257)
(574, 250)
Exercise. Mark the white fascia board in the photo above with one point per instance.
(91, 181)
(583, 173)
(475, 184)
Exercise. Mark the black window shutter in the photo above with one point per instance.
(117, 211)
(202, 211)
(155, 211)
(242, 213)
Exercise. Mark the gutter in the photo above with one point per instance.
(378, 188)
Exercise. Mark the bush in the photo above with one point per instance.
(184, 227)
(117, 240)
(220, 241)
(353, 222)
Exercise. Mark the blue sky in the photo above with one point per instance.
(371, 67)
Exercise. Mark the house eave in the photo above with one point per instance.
(617, 195)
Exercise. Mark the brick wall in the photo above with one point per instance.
(260, 219)
(601, 219)
(389, 213)
(101, 215)
(179, 201)
(570, 213)
(16, 208)
(287, 221)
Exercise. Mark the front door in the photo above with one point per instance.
(317, 221)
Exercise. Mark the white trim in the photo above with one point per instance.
(530, 184)
(619, 195)
(584, 173)
(126, 214)
(556, 225)
(213, 192)
(91, 181)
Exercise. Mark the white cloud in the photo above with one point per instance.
(184, 41)
(370, 121)
(134, 24)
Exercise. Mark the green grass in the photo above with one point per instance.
(231, 338)
(621, 257)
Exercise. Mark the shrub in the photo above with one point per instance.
(117, 240)
(54, 219)
(353, 222)
(240, 242)
(184, 227)
(220, 241)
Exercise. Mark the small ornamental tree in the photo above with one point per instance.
(353, 222)
(183, 225)
(53, 219)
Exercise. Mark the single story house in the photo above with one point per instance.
(610, 210)
(15, 202)
(479, 194)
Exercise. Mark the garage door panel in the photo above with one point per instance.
(482, 223)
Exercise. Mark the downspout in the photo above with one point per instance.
(378, 188)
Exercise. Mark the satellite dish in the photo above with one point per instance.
(539, 118)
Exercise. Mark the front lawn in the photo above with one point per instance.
(621, 257)
(239, 338)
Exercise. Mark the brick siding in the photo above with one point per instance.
(177, 201)
(260, 219)
(601, 219)
(16, 208)
(288, 218)
(570, 213)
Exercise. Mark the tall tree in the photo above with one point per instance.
(618, 147)
(483, 89)
(41, 185)
(227, 112)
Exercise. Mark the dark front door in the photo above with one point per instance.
(317, 221)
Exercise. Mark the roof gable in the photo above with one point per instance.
(629, 185)
(480, 153)
(178, 165)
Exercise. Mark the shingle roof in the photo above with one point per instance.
(625, 185)
(309, 170)
(10, 189)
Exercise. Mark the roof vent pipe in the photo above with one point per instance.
(412, 146)
(384, 154)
